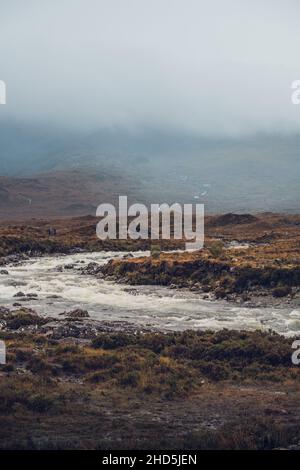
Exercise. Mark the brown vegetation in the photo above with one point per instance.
(269, 260)
(179, 390)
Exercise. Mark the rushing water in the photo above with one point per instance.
(61, 289)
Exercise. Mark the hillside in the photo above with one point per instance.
(60, 193)
(249, 174)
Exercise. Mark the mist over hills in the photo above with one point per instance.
(254, 173)
(189, 103)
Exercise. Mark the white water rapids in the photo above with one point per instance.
(149, 306)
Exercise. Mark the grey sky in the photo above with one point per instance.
(206, 67)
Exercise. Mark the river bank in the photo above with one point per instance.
(232, 279)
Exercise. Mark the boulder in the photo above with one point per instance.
(19, 294)
(32, 295)
(69, 266)
(78, 313)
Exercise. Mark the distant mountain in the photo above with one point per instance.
(56, 194)
(258, 173)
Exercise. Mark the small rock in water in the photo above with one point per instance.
(31, 295)
(91, 268)
(3, 271)
(69, 266)
(131, 291)
(128, 255)
(19, 294)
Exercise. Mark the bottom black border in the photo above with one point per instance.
(175, 459)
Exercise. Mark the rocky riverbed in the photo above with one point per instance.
(51, 285)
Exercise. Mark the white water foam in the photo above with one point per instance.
(153, 306)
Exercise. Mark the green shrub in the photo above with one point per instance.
(113, 341)
(216, 249)
(155, 251)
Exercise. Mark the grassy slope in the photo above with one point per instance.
(187, 390)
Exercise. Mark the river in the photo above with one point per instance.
(59, 289)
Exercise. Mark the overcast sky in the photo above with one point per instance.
(207, 67)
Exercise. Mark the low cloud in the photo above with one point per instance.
(217, 68)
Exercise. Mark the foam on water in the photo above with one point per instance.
(142, 305)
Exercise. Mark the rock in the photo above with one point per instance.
(206, 288)
(32, 296)
(19, 294)
(91, 269)
(194, 289)
(220, 293)
(4, 272)
(69, 266)
(4, 310)
(128, 255)
(131, 291)
(245, 297)
(16, 304)
(282, 291)
(78, 313)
